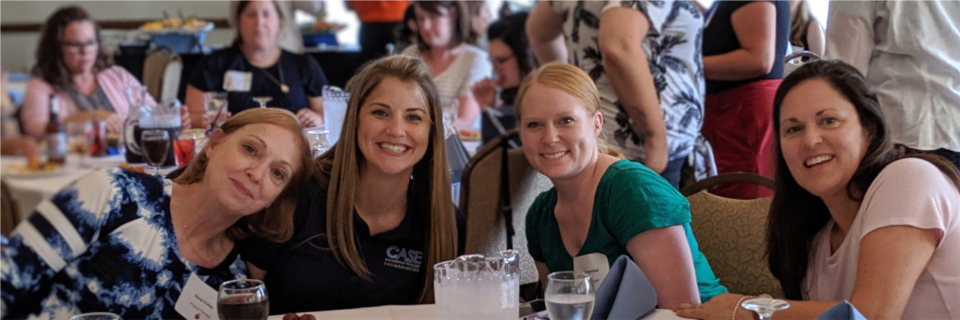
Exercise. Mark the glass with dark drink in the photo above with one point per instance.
(243, 299)
(155, 146)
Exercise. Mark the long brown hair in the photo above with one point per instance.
(339, 170)
(799, 22)
(796, 215)
(49, 54)
(574, 82)
(274, 223)
(241, 5)
(461, 26)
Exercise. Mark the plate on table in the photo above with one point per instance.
(469, 135)
(19, 170)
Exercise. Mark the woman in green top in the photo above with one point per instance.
(601, 205)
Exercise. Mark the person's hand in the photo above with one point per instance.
(485, 92)
(720, 307)
(22, 145)
(113, 121)
(309, 118)
(184, 118)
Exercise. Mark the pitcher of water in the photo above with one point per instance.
(334, 111)
(478, 287)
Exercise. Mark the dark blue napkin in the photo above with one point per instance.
(625, 293)
(841, 311)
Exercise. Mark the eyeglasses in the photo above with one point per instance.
(73, 46)
(499, 61)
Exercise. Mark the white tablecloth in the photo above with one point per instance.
(421, 312)
(29, 191)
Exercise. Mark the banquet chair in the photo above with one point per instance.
(8, 210)
(493, 226)
(161, 73)
(732, 234)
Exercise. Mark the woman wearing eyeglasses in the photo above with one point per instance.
(71, 66)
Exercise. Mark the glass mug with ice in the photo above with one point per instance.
(569, 296)
(478, 287)
(334, 111)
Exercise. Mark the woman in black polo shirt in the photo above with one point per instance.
(371, 225)
(256, 66)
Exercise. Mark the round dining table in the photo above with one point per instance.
(422, 312)
(28, 190)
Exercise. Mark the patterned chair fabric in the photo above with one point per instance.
(731, 234)
(486, 230)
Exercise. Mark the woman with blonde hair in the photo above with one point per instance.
(378, 214)
(806, 33)
(129, 243)
(602, 206)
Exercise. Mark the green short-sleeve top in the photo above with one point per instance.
(629, 200)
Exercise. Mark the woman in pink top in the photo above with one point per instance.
(71, 66)
(853, 218)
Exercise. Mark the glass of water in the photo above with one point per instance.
(569, 296)
(765, 306)
(96, 316)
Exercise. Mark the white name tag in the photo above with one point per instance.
(594, 265)
(237, 81)
(198, 301)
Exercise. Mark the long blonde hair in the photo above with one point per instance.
(574, 82)
(339, 170)
(274, 223)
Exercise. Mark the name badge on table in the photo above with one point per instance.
(237, 81)
(594, 265)
(198, 301)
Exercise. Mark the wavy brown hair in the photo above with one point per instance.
(796, 215)
(275, 222)
(49, 54)
(461, 25)
(339, 171)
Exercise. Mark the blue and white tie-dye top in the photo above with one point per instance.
(103, 243)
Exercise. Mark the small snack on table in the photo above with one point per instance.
(129, 167)
(293, 316)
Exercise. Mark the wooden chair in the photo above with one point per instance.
(161, 73)
(8, 210)
(732, 234)
(491, 229)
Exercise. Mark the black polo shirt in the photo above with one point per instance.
(303, 275)
(301, 73)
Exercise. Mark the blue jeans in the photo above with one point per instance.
(672, 172)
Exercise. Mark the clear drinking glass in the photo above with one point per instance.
(569, 296)
(215, 103)
(318, 140)
(80, 137)
(96, 316)
(765, 306)
(262, 101)
(243, 299)
(155, 145)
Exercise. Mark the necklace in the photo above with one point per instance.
(283, 86)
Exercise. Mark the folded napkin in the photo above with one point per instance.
(625, 293)
(841, 311)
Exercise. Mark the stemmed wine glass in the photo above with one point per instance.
(243, 299)
(155, 145)
(262, 101)
(765, 306)
(569, 296)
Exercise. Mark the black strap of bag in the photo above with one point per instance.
(506, 210)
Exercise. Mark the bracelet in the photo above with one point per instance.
(737, 306)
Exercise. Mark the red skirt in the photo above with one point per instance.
(739, 125)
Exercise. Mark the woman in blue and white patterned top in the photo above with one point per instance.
(127, 243)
